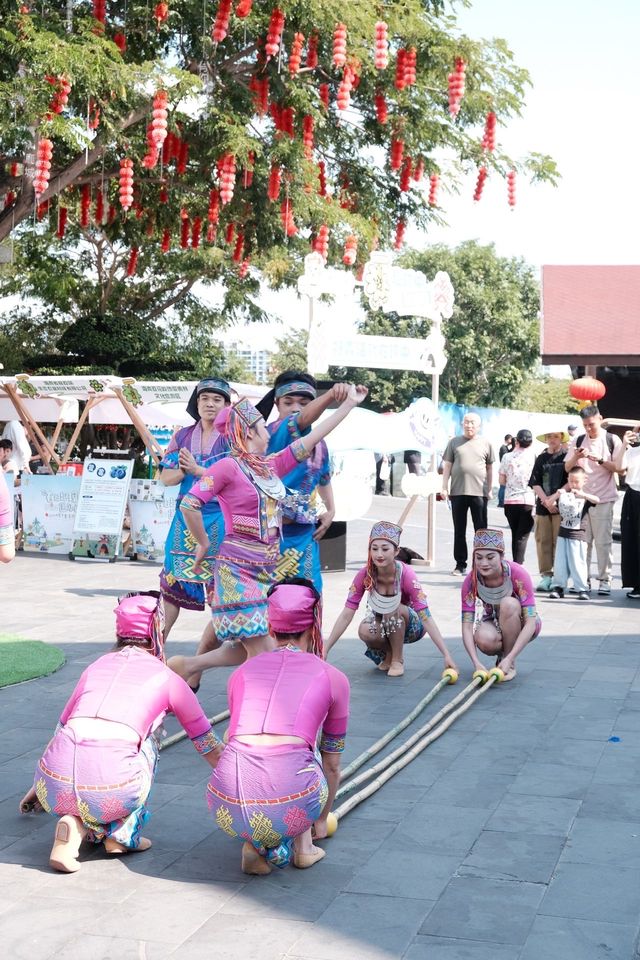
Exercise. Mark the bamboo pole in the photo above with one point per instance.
(54, 438)
(181, 735)
(407, 510)
(384, 740)
(39, 438)
(410, 755)
(141, 427)
(91, 402)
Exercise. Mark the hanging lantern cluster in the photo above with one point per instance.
(196, 232)
(456, 86)
(401, 226)
(397, 153)
(230, 232)
(274, 33)
(126, 183)
(418, 170)
(227, 172)
(275, 179)
(238, 250)
(100, 10)
(221, 23)
(489, 138)
(434, 181)
(350, 251)
(343, 97)
(132, 263)
(244, 268)
(98, 210)
(312, 52)
(42, 210)
(247, 175)
(381, 55)
(244, 8)
(323, 91)
(511, 188)
(85, 204)
(480, 182)
(185, 229)
(321, 242)
(286, 214)
(295, 57)
(61, 94)
(405, 68)
(322, 178)
(213, 212)
(382, 111)
(63, 214)
(259, 87)
(120, 41)
(165, 243)
(339, 45)
(44, 154)
(406, 174)
(307, 135)
(161, 13)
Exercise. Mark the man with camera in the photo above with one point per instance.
(599, 454)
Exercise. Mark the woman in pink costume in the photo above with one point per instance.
(97, 771)
(268, 788)
(250, 492)
(499, 615)
(7, 536)
(397, 608)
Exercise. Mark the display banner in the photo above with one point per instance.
(102, 501)
(151, 510)
(49, 506)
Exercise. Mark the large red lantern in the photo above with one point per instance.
(587, 388)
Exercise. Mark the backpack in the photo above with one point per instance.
(608, 435)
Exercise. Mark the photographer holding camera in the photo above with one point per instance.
(630, 517)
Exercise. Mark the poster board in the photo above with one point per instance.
(49, 505)
(151, 510)
(102, 500)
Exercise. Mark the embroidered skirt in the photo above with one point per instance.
(414, 631)
(243, 572)
(300, 554)
(104, 782)
(267, 795)
(178, 584)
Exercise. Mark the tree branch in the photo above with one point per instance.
(167, 304)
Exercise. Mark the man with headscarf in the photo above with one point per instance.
(268, 788)
(295, 398)
(191, 450)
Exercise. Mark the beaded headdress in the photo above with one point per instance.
(234, 423)
(489, 540)
(385, 530)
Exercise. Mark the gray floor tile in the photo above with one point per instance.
(513, 856)
(440, 948)
(536, 815)
(617, 801)
(484, 788)
(594, 892)
(603, 841)
(552, 780)
(444, 829)
(88, 946)
(363, 927)
(552, 938)
(402, 867)
(241, 937)
(576, 753)
(483, 909)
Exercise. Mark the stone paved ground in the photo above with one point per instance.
(516, 836)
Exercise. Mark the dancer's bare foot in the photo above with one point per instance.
(386, 663)
(252, 862)
(112, 846)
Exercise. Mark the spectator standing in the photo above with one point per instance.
(630, 516)
(468, 463)
(413, 460)
(7, 463)
(574, 505)
(14, 431)
(506, 447)
(515, 472)
(598, 453)
(548, 476)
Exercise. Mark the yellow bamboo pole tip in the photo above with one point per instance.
(480, 675)
(450, 674)
(332, 824)
(497, 673)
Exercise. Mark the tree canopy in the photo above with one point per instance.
(149, 152)
(492, 337)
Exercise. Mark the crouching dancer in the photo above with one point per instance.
(499, 614)
(97, 771)
(268, 788)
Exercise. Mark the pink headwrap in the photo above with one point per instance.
(140, 617)
(293, 608)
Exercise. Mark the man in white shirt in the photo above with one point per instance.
(598, 453)
(515, 473)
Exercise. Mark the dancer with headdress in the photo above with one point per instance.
(397, 607)
(499, 615)
(190, 451)
(97, 771)
(295, 398)
(250, 491)
(268, 788)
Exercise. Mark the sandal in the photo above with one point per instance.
(304, 860)
(69, 834)
(114, 848)
(396, 669)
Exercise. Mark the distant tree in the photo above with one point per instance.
(290, 353)
(546, 395)
(492, 337)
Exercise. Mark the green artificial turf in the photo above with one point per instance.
(22, 659)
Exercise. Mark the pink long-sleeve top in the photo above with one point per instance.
(245, 507)
(131, 686)
(289, 693)
(6, 513)
(407, 585)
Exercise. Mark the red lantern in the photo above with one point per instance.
(120, 41)
(286, 214)
(100, 10)
(43, 166)
(343, 97)
(42, 209)
(275, 178)
(98, 212)
(350, 251)
(165, 243)
(321, 242)
(456, 87)
(221, 22)
(9, 198)
(482, 176)
(213, 213)
(397, 153)
(185, 231)
(434, 181)
(227, 178)
(511, 188)
(405, 176)
(381, 55)
(62, 222)
(287, 119)
(307, 135)
(312, 52)
(587, 388)
(212, 233)
(159, 122)
(401, 62)
(230, 232)
(247, 176)
(418, 170)
(339, 45)
(381, 108)
(274, 33)
(182, 158)
(410, 67)
(196, 232)
(126, 183)
(161, 12)
(238, 250)
(295, 58)
(322, 178)
(85, 204)
(401, 226)
(61, 95)
(244, 268)
(132, 263)
(244, 8)
(489, 138)
(323, 90)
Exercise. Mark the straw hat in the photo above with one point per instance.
(542, 437)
